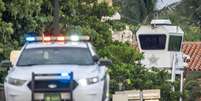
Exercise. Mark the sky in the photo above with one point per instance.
(163, 3)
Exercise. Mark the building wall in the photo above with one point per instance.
(124, 36)
(107, 1)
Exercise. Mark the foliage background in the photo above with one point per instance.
(17, 17)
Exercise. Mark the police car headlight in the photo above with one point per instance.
(16, 82)
(92, 80)
(88, 81)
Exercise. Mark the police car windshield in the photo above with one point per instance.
(55, 56)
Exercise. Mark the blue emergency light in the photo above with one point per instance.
(30, 39)
(66, 77)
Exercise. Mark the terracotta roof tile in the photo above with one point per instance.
(193, 49)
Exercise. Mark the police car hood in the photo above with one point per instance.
(79, 72)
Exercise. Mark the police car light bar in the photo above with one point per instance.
(30, 39)
(74, 38)
(57, 38)
(78, 38)
(46, 38)
(61, 38)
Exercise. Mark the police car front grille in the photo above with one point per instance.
(57, 85)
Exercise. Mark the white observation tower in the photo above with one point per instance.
(161, 42)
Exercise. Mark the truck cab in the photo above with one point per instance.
(44, 70)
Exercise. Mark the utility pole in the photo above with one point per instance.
(173, 70)
(181, 85)
(55, 25)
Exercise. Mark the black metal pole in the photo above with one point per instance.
(71, 85)
(33, 87)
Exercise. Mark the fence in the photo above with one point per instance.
(137, 95)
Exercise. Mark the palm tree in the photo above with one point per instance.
(137, 10)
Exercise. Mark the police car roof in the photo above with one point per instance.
(56, 44)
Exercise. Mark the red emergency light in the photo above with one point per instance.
(46, 39)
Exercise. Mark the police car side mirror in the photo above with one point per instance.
(5, 64)
(96, 58)
(104, 62)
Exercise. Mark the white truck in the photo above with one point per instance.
(57, 69)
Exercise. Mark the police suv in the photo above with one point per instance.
(57, 69)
